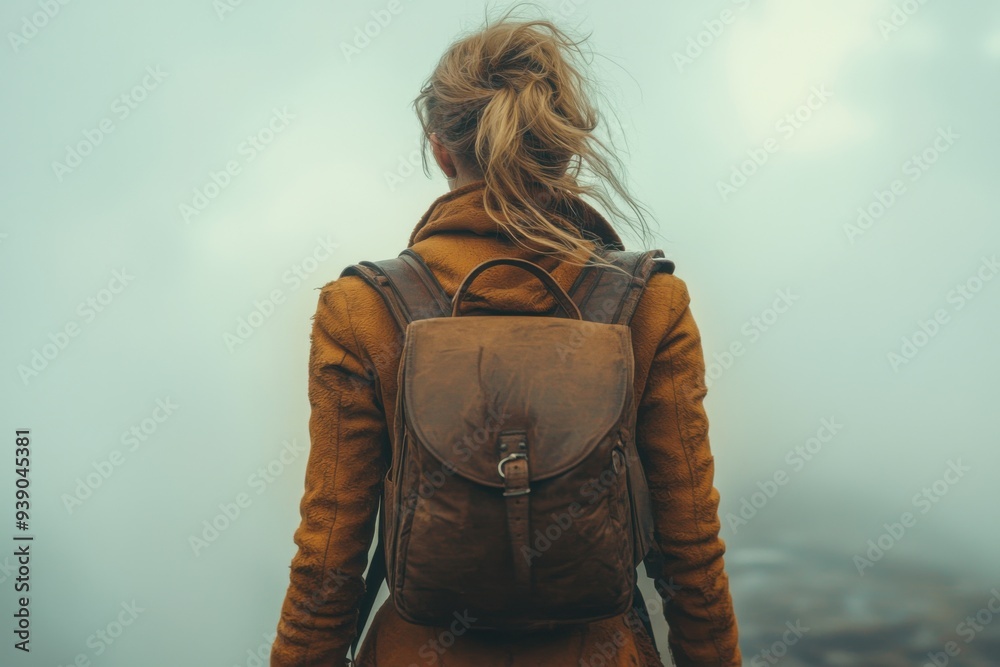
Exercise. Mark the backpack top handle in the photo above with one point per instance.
(567, 305)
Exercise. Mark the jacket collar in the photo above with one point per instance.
(462, 210)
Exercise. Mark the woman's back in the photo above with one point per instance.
(353, 372)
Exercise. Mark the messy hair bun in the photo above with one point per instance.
(509, 103)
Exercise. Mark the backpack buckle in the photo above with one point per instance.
(507, 459)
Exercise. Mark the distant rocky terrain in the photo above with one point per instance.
(896, 615)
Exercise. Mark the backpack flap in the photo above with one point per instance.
(469, 379)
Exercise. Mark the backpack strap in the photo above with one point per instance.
(377, 572)
(409, 288)
(641, 612)
(605, 295)
(411, 292)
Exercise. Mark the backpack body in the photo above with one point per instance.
(515, 498)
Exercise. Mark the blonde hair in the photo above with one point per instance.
(509, 103)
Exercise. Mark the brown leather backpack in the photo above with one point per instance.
(516, 499)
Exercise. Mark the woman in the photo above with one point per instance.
(509, 125)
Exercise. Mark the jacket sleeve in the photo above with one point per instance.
(338, 510)
(672, 436)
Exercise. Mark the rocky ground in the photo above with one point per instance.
(895, 615)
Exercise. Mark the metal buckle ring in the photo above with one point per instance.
(507, 459)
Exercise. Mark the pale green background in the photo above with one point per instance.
(325, 176)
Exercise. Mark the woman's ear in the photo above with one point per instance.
(443, 157)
